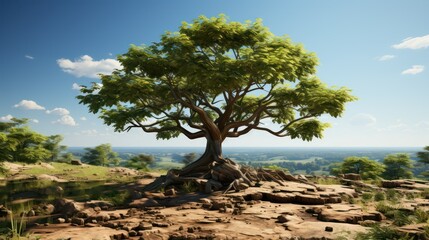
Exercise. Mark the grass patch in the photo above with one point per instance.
(382, 232)
(327, 181)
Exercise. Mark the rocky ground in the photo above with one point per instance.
(282, 210)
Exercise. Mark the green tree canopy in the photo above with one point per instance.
(398, 166)
(140, 162)
(53, 145)
(102, 155)
(424, 155)
(217, 79)
(189, 157)
(367, 168)
(20, 143)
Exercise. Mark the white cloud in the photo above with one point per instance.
(66, 120)
(413, 43)
(87, 67)
(58, 111)
(6, 118)
(364, 119)
(83, 118)
(29, 105)
(386, 57)
(35, 120)
(398, 125)
(76, 86)
(90, 132)
(29, 57)
(414, 69)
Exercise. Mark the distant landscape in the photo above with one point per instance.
(302, 160)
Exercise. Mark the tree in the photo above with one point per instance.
(424, 155)
(140, 162)
(366, 168)
(216, 79)
(67, 157)
(20, 143)
(53, 145)
(398, 166)
(189, 157)
(101, 155)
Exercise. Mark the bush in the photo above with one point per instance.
(378, 232)
(421, 215)
(367, 196)
(385, 209)
(392, 195)
(379, 196)
(400, 218)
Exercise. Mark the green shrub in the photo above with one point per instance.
(379, 196)
(386, 209)
(327, 181)
(392, 195)
(189, 187)
(421, 215)
(400, 218)
(378, 232)
(367, 196)
(425, 193)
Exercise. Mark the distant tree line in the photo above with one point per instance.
(393, 166)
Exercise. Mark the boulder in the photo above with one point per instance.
(48, 209)
(75, 162)
(67, 207)
(353, 216)
(78, 221)
(352, 176)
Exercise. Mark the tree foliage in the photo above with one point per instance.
(53, 145)
(365, 167)
(101, 155)
(19, 143)
(398, 166)
(424, 155)
(140, 162)
(189, 157)
(217, 79)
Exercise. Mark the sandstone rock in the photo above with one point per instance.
(132, 233)
(352, 216)
(78, 221)
(91, 225)
(329, 229)
(48, 209)
(99, 217)
(75, 162)
(415, 231)
(352, 176)
(67, 207)
(60, 220)
(114, 216)
(160, 224)
(309, 199)
(98, 203)
(144, 226)
(110, 225)
(280, 197)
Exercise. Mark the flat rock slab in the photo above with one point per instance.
(64, 231)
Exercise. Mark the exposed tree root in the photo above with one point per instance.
(223, 174)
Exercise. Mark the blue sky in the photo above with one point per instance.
(379, 49)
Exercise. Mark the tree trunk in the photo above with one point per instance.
(202, 166)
